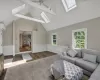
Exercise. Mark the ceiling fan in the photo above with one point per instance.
(39, 4)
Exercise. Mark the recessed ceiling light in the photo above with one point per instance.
(69, 4)
(46, 19)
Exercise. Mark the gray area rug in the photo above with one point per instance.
(35, 70)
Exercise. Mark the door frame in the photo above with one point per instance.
(19, 43)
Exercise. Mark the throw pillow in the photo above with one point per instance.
(90, 57)
(72, 53)
(64, 53)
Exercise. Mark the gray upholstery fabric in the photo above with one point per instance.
(72, 53)
(79, 53)
(90, 57)
(96, 74)
(58, 69)
(98, 58)
(94, 52)
(70, 59)
(86, 65)
(86, 72)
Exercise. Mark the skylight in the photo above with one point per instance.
(46, 19)
(69, 4)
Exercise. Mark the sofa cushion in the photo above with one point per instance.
(96, 74)
(72, 53)
(90, 57)
(79, 53)
(94, 52)
(86, 65)
(69, 59)
(98, 58)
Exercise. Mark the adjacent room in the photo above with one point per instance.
(49, 39)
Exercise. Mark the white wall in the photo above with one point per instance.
(56, 49)
(38, 41)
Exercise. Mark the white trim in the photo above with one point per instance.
(73, 31)
(28, 18)
(39, 48)
(18, 9)
(14, 38)
(52, 39)
(8, 50)
(25, 52)
(65, 4)
(31, 43)
(56, 49)
(42, 7)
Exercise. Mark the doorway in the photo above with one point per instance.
(25, 41)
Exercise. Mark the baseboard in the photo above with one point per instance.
(39, 48)
(55, 49)
(8, 50)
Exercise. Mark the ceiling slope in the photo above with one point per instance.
(85, 10)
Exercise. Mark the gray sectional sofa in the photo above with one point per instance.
(89, 68)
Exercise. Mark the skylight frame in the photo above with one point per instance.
(44, 16)
(66, 5)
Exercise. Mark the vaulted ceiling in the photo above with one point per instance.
(85, 10)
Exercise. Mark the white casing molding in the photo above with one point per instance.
(39, 48)
(8, 50)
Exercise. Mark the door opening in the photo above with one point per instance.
(25, 41)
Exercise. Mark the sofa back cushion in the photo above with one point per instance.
(90, 57)
(72, 53)
(93, 52)
(79, 53)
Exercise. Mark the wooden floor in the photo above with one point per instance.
(34, 56)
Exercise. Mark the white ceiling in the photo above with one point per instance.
(86, 9)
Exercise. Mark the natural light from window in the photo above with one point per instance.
(79, 39)
(69, 4)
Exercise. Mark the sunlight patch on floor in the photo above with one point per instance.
(12, 64)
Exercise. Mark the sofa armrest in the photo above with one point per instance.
(96, 74)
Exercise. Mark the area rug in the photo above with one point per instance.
(34, 70)
(26, 56)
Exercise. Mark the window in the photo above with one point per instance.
(79, 39)
(69, 4)
(54, 39)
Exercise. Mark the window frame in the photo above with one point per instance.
(53, 39)
(73, 39)
(66, 7)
